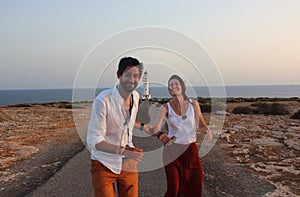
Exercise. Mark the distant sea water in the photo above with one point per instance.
(10, 97)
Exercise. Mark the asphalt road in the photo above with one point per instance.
(74, 179)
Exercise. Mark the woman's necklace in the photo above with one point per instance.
(178, 110)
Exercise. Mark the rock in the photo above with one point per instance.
(294, 124)
(4, 117)
(26, 151)
(222, 113)
(240, 151)
(239, 127)
(266, 141)
(227, 137)
(293, 128)
(278, 133)
(293, 143)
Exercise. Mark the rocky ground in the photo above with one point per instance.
(268, 146)
(36, 140)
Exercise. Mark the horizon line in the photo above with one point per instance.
(229, 85)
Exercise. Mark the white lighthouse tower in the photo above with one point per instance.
(146, 94)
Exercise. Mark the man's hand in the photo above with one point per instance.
(133, 153)
(132, 158)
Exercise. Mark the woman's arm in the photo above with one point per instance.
(160, 118)
(200, 120)
(162, 114)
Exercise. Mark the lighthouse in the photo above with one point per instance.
(144, 107)
(146, 95)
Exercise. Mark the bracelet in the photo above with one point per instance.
(159, 134)
(142, 126)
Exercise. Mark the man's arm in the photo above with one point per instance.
(97, 131)
(144, 127)
(133, 153)
(97, 125)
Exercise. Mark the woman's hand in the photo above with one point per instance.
(164, 138)
(205, 129)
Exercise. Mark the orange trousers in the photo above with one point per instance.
(103, 181)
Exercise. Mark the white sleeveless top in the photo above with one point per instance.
(184, 129)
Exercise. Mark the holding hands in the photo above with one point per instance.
(149, 129)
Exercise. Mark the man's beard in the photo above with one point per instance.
(126, 88)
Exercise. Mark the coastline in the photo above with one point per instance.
(20, 96)
(40, 138)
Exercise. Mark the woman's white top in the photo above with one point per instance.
(182, 127)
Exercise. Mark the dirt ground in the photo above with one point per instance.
(256, 155)
(35, 142)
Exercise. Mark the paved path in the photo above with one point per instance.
(74, 179)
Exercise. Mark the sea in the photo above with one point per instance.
(28, 96)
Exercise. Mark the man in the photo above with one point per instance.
(113, 156)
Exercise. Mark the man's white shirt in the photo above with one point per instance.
(109, 123)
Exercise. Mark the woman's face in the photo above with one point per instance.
(175, 87)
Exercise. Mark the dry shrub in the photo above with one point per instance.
(263, 108)
(271, 108)
(243, 110)
(296, 115)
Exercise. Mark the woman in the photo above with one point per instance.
(182, 164)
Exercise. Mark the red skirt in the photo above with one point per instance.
(183, 170)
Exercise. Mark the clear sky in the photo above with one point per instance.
(253, 42)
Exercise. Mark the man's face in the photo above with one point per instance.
(130, 78)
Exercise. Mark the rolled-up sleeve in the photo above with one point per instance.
(97, 125)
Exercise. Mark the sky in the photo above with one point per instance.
(43, 43)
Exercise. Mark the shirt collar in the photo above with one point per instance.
(116, 96)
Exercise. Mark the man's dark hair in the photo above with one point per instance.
(128, 62)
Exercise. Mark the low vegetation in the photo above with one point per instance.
(263, 108)
(243, 110)
(296, 115)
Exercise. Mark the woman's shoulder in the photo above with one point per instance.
(165, 106)
(193, 102)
